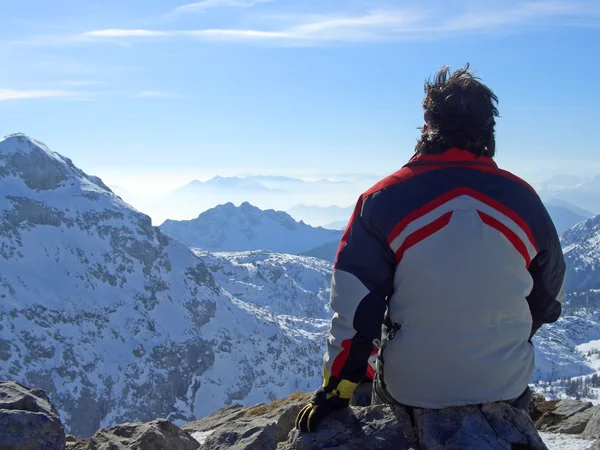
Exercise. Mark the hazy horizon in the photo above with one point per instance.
(156, 199)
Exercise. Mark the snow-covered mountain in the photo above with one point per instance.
(563, 347)
(283, 284)
(118, 322)
(246, 227)
(581, 246)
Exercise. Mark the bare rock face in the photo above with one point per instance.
(592, 429)
(567, 417)
(595, 446)
(249, 428)
(493, 426)
(28, 421)
(376, 427)
(490, 426)
(160, 434)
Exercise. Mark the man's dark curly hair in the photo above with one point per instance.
(459, 112)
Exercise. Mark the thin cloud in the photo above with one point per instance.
(243, 34)
(385, 25)
(118, 33)
(24, 94)
(210, 4)
(156, 94)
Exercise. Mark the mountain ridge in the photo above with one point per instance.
(246, 227)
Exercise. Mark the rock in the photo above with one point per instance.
(539, 405)
(160, 434)
(260, 427)
(592, 429)
(28, 420)
(75, 443)
(570, 407)
(490, 426)
(375, 427)
(568, 416)
(595, 446)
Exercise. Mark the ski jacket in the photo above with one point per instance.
(468, 262)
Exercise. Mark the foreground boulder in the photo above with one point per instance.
(592, 429)
(539, 406)
(567, 416)
(160, 434)
(28, 420)
(249, 428)
(493, 426)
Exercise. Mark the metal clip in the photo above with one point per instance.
(392, 332)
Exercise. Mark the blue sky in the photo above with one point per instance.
(153, 93)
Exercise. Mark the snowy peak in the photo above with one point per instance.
(581, 246)
(39, 168)
(247, 227)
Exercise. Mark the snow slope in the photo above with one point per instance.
(118, 322)
(280, 283)
(561, 350)
(230, 228)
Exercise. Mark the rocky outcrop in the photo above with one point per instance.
(381, 427)
(592, 428)
(263, 426)
(160, 434)
(378, 427)
(28, 420)
(567, 416)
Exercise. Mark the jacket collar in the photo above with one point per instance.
(452, 156)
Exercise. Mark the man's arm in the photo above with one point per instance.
(548, 272)
(362, 279)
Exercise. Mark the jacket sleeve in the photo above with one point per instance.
(548, 270)
(362, 279)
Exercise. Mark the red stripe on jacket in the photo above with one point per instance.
(423, 233)
(450, 195)
(508, 233)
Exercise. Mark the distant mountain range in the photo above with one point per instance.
(580, 192)
(563, 214)
(241, 228)
(263, 191)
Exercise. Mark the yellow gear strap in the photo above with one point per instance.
(344, 389)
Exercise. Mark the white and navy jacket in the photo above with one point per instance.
(471, 265)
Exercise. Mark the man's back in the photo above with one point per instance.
(465, 236)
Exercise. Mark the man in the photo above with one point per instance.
(457, 258)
